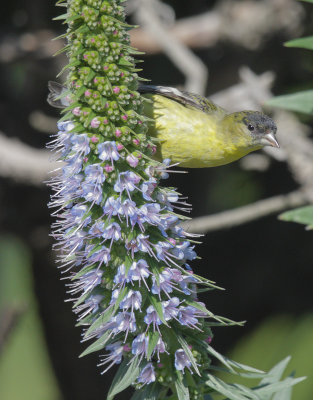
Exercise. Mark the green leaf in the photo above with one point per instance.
(275, 373)
(284, 394)
(276, 387)
(153, 339)
(98, 344)
(307, 1)
(222, 320)
(150, 392)
(304, 43)
(302, 215)
(230, 391)
(299, 102)
(60, 17)
(187, 350)
(120, 297)
(181, 388)
(127, 373)
(158, 308)
(103, 319)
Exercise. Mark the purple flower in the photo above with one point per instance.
(147, 188)
(108, 151)
(147, 374)
(74, 241)
(100, 256)
(78, 214)
(139, 270)
(65, 126)
(144, 244)
(140, 344)
(150, 212)
(111, 207)
(181, 360)
(132, 160)
(170, 309)
(126, 181)
(73, 166)
(131, 245)
(80, 144)
(159, 348)
(92, 192)
(189, 315)
(124, 322)
(152, 317)
(162, 250)
(120, 276)
(132, 300)
(114, 357)
(128, 208)
(165, 283)
(90, 306)
(87, 282)
(94, 174)
(183, 251)
(113, 231)
(186, 280)
(97, 229)
(115, 295)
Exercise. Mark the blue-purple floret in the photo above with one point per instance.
(119, 237)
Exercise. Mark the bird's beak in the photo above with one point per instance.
(270, 140)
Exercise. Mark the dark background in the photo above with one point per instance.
(265, 266)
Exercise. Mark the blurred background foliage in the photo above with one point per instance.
(265, 265)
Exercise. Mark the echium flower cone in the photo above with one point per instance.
(118, 234)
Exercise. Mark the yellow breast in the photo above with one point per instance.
(189, 136)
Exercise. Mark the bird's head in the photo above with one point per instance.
(253, 128)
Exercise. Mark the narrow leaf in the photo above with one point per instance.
(125, 376)
(299, 102)
(158, 308)
(181, 389)
(276, 372)
(98, 344)
(150, 392)
(278, 386)
(227, 390)
(187, 350)
(153, 339)
(103, 319)
(304, 43)
(302, 215)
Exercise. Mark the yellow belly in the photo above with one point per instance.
(188, 136)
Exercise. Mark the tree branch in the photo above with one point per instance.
(242, 215)
(246, 23)
(24, 163)
(182, 57)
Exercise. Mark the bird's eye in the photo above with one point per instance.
(251, 127)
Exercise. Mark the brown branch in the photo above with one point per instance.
(247, 23)
(23, 163)
(242, 215)
(182, 57)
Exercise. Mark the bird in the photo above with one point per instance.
(191, 130)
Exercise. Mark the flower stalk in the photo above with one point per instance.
(117, 230)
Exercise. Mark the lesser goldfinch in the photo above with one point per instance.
(192, 130)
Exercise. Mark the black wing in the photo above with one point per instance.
(185, 98)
